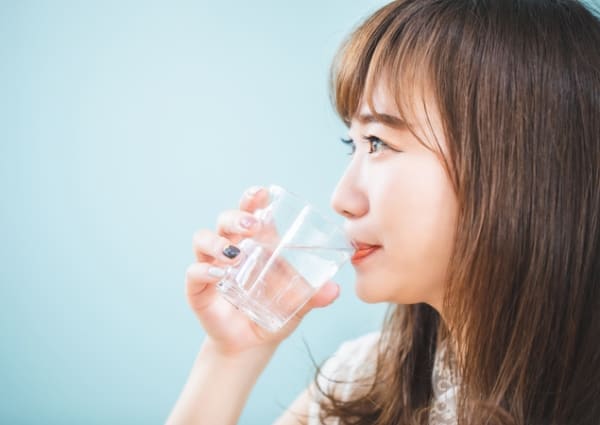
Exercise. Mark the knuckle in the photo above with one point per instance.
(249, 195)
(248, 222)
(197, 272)
(191, 272)
(227, 221)
(218, 245)
(252, 191)
(200, 235)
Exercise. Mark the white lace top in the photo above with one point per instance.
(356, 358)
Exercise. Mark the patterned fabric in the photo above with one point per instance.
(356, 359)
(443, 409)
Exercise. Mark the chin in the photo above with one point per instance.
(369, 293)
(374, 291)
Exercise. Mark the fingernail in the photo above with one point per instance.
(231, 251)
(216, 271)
(247, 222)
(253, 191)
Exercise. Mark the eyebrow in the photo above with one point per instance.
(386, 119)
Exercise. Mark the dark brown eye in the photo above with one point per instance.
(375, 141)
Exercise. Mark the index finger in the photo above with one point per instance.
(254, 198)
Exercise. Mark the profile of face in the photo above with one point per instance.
(397, 194)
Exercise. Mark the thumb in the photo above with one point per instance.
(326, 295)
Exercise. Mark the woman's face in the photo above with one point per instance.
(402, 201)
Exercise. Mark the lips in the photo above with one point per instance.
(362, 251)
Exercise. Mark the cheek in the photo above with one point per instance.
(389, 282)
(418, 218)
(417, 202)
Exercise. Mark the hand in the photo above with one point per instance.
(230, 330)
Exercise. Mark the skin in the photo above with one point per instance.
(235, 350)
(229, 331)
(403, 201)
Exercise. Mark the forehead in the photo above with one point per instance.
(415, 111)
(379, 108)
(382, 102)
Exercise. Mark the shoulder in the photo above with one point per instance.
(358, 346)
(342, 371)
(351, 357)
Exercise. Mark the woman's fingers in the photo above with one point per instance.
(236, 224)
(326, 295)
(200, 280)
(254, 197)
(232, 227)
(209, 247)
(214, 252)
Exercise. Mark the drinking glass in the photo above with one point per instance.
(295, 252)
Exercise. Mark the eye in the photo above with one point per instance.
(375, 141)
(375, 144)
(349, 142)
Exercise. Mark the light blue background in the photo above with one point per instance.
(125, 126)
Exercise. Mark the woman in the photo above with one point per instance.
(475, 135)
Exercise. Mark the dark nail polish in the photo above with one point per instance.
(231, 251)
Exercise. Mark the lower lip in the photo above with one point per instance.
(361, 256)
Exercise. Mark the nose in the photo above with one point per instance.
(349, 198)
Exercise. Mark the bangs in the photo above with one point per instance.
(392, 48)
(402, 48)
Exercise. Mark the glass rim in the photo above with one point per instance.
(311, 206)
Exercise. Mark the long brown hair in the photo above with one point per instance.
(517, 86)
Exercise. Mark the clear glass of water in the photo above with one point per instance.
(284, 264)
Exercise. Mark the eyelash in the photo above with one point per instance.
(370, 140)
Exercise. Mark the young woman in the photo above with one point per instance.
(474, 185)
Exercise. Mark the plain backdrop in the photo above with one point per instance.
(125, 126)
